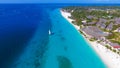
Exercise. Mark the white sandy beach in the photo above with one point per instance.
(111, 59)
(65, 15)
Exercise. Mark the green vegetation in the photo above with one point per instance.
(114, 50)
(114, 37)
(115, 27)
(118, 52)
(93, 39)
(81, 13)
(108, 47)
(99, 41)
(81, 32)
(107, 23)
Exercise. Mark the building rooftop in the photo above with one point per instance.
(103, 25)
(117, 20)
(110, 26)
(118, 29)
(99, 23)
(91, 23)
(102, 20)
(94, 31)
(116, 46)
(90, 17)
(113, 44)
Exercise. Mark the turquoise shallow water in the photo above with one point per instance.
(67, 47)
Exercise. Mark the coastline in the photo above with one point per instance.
(109, 58)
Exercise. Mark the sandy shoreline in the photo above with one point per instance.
(111, 59)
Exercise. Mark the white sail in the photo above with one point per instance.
(49, 32)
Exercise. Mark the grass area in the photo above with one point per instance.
(114, 37)
(115, 27)
(107, 23)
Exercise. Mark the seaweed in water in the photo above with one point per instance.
(63, 38)
(39, 54)
(37, 63)
(65, 48)
(64, 62)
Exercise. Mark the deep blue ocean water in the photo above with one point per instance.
(18, 24)
(25, 41)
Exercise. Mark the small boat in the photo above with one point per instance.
(51, 33)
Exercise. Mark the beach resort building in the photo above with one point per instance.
(118, 29)
(94, 32)
(110, 26)
(117, 21)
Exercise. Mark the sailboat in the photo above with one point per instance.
(50, 33)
